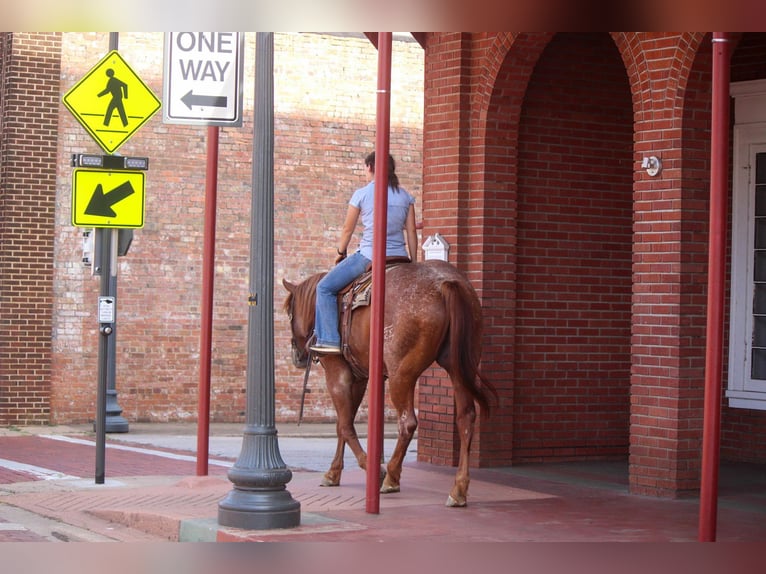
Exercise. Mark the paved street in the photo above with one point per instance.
(151, 493)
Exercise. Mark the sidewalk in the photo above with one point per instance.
(152, 494)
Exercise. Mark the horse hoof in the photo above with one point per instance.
(452, 503)
(328, 482)
(388, 489)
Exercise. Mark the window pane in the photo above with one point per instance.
(760, 200)
(760, 168)
(759, 331)
(759, 273)
(759, 300)
(759, 364)
(760, 233)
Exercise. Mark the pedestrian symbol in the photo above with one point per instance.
(118, 90)
(111, 102)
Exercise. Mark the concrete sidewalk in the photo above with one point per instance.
(152, 494)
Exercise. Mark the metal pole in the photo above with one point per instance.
(104, 237)
(114, 421)
(375, 420)
(105, 330)
(719, 174)
(208, 279)
(260, 499)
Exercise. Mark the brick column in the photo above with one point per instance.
(669, 273)
(443, 171)
(29, 109)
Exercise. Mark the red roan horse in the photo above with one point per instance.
(432, 313)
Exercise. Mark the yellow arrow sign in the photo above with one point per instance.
(111, 102)
(102, 198)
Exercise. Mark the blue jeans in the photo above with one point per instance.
(326, 317)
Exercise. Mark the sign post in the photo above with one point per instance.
(111, 102)
(203, 86)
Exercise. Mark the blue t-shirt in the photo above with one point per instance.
(398, 206)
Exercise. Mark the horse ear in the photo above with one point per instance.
(289, 286)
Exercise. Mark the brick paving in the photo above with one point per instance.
(12, 532)
(149, 497)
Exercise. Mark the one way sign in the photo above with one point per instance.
(203, 78)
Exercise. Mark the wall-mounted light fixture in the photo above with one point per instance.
(652, 165)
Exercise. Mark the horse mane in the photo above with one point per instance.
(302, 301)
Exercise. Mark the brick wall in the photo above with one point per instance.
(573, 274)
(596, 340)
(592, 274)
(29, 69)
(324, 126)
(555, 163)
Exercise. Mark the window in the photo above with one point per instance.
(747, 329)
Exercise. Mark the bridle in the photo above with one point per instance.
(310, 358)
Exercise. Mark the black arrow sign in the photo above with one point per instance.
(101, 204)
(192, 99)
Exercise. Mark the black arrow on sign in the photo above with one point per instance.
(101, 204)
(192, 99)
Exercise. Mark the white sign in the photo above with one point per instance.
(106, 310)
(203, 78)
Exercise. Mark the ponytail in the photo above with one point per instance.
(393, 179)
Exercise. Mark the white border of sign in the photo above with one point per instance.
(175, 87)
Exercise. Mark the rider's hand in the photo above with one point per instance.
(341, 256)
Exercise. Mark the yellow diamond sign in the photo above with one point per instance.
(111, 102)
(102, 198)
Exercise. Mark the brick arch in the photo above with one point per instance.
(653, 91)
(509, 66)
(521, 51)
(501, 84)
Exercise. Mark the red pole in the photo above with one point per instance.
(375, 420)
(208, 276)
(719, 170)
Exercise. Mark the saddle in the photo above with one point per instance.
(357, 294)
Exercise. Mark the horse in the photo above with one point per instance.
(432, 314)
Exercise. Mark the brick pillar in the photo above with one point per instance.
(29, 109)
(669, 275)
(443, 169)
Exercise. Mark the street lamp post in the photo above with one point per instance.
(259, 499)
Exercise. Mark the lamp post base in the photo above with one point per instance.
(259, 510)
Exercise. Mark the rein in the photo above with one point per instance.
(305, 384)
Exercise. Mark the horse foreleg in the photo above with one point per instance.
(465, 418)
(347, 395)
(358, 389)
(332, 476)
(346, 433)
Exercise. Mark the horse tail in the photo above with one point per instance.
(464, 345)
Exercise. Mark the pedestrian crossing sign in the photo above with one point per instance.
(111, 102)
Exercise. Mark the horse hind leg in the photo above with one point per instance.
(465, 418)
(407, 424)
